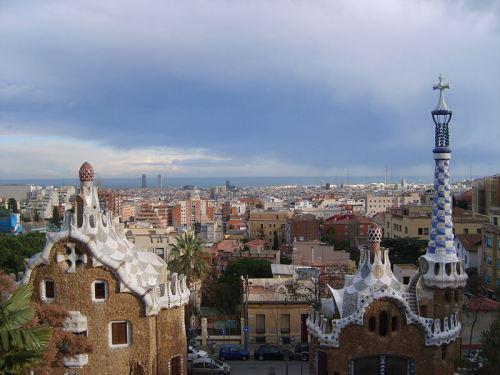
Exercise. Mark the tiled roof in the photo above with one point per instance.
(469, 241)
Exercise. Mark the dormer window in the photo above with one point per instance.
(99, 291)
(48, 292)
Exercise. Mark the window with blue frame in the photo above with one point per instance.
(487, 279)
(489, 261)
(489, 241)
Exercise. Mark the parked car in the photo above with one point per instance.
(200, 366)
(231, 351)
(301, 352)
(194, 352)
(272, 352)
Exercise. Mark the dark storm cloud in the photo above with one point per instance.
(251, 87)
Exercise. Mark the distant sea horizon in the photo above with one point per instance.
(205, 182)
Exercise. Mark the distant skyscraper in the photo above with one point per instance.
(159, 182)
(228, 184)
(144, 181)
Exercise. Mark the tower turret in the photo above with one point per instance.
(440, 266)
(87, 201)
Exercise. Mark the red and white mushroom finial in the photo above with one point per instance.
(86, 172)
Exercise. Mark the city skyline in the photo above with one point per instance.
(245, 89)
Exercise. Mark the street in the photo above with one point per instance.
(254, 367)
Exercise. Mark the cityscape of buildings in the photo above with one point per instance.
(330, 282)
(249, 187)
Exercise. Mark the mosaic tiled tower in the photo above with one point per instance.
(375, 324)
(440, 266)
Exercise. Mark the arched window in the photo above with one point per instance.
(436, 269)
(394, 323)
(371, 324)
(383, 323)
(447, 268)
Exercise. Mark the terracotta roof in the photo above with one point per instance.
(483, 304)
(469, 241)
(227, 246)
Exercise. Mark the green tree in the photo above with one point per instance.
(490, 349)
(189, 258)
(15, 249)
(252, 267)
(329, 236)
(22, 344)
(225, 293)
(405, 250)
(56, 217)
(12, 205)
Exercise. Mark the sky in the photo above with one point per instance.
(245, 88)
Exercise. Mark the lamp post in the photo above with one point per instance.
(244, 280)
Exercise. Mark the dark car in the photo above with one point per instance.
(301, 352)
(271, 352)
(231, 351)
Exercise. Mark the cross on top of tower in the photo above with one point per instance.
(441, 86)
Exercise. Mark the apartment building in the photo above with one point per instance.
(155, 214)
(415, 221)
(486, 194)
(269, 225)
(304, 227)
(346, 228)
(155, 240)
(189, 212)
(380, 203)
(277, 315)
(490, 250)
(111, 201)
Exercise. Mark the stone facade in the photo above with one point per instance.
(151, 336)
(405, 342)
(375, 323)
(123, 299)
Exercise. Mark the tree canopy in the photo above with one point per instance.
(225, 293)
(490, 349)
(404, 250)
(189, 258)
(14, 249)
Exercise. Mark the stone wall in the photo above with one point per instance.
(74, 292)
(405, 341)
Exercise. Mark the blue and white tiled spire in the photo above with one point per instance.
(441, 235)
(440, 265)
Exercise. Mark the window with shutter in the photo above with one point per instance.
(285, 323)
(120, 334)
(260, 323)
(100, 291)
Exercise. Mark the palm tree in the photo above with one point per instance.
(21, 346)
(188, 258)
